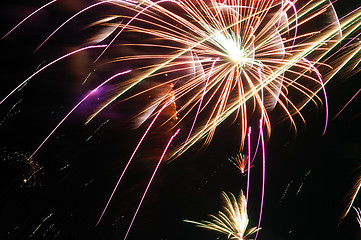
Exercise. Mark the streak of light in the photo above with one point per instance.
(66, 166)
(75, 15)
(75, 107)
(48, 65)
(11, 112)
(347, 103)
(37, 228)
(200, 104)
(131, 157)
(285, 192)
(150, 181)
(358, 215)
(249, 163)
(351, 196)
(304, 178)
(87, 77)
(97, 129)
(263, 174)
(323, 89)
(33, 13)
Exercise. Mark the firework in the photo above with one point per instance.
(194, 64)
(240, 161)
(232, 221)
(221, 59)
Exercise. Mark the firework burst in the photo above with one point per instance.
(232, 221)
(218, 59)
(240, 161)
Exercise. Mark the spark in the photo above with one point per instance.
(358, 214)
(11, 112)
(97, 129)
(89, 182)
(301, 185)
(37, 228)
(286, 190)
(66, 166)
(299, 189)
(87, 77)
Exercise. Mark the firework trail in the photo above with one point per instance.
(133, 154)
(150, 181)
(358, 215)
(350, 198)
(249, 164)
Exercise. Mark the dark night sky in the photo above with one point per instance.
(308, 175)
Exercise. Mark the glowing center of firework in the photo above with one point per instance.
(235, 52)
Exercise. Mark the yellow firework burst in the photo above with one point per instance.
(232, 221)
(226, 59)
(221, 59)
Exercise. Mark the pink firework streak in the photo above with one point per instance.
(323, 89)
(249, 162)
(48, 65)
(75, 107)
(131, 158)
(150, 181)
(199, 106)
(263, 174)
